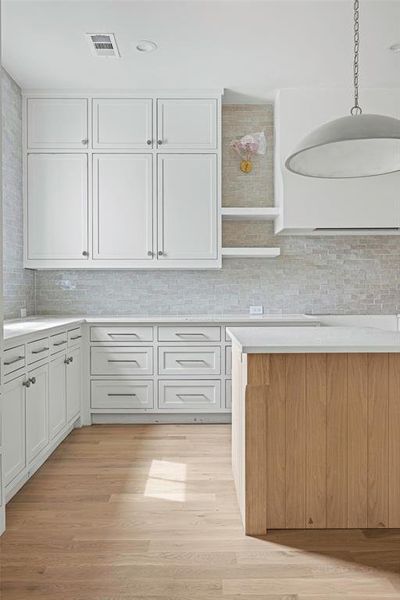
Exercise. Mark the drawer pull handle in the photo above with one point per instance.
(40, 351)
(60, 343)
(76, 337)
(188, 360)
(191, 334)
(117, 334)
(192, 396)
(123, 360)
(120, 395)
(11, 362)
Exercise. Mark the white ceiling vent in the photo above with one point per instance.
(103, 44)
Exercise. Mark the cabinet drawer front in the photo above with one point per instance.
(189, 361)
(228, 394)
(131, 395)
(189, 334)
(121, 361)
(121, 334)
(187, 396)
(38, 349)
(228, 360)
(58, 342)
(74, 337)
(14, 359)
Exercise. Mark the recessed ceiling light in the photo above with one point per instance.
(146, 46)
(395, 48)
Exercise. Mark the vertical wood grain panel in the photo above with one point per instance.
(394, 440)
(357, 440)
(276, 443)
(378, 449)
(256, 460)
(295, 440)
(316, 441)
(336, 440)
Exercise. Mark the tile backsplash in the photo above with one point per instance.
(18, 283)
(346, 274)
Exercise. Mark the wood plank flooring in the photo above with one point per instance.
(149, 512)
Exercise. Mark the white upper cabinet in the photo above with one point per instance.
(122, 206)
(310, 204)
(187, 207)
(56, 211)
(187, 124)
(57, 123)
(123, 123)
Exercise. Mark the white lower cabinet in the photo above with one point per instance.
(58, 399)
(36, 411)
(13, 433)
(74, 383)
(116, 395)
(189, 396)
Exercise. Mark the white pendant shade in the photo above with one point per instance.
(353, 146)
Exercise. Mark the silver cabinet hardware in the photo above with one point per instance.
(66, 361)
(160, 253)
(41, 350)
(149, 142)
(188, 360)
(11, 362)
(60, 343)
(192, 396)
(159, 142)
(117, 334)
(76, 337)
(120, 395)
(26, 383)
(85, 253)
(122, 360)
(32, 380)
(150, 253)
(71, 359)
(85, 141)
(193, 334)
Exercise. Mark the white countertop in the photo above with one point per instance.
(257, 340)
(31, 325)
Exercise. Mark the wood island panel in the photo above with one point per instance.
(322, 440)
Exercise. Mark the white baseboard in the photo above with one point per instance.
(157, 418)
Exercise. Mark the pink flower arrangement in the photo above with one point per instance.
(249, 145)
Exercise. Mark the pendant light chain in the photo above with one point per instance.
(356, 110)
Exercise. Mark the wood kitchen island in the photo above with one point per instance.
(316, 427)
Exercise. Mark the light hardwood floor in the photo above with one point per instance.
(130, 512)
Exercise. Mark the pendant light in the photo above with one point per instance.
(354, 146)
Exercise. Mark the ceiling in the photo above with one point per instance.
(249, 47)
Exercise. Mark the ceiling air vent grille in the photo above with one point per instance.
(103, 44)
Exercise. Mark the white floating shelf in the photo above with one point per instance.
(267, 213)
(251, 252)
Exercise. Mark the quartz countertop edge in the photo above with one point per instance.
(285, 340)
(16, 329)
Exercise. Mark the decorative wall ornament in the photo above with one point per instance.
(247, 147)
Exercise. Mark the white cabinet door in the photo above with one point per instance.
(187, 124)
(57, 123)
(57, 207)
(74, 384)
(187, 207)
(13, 429)
(37, 435)
(57, 395)
(123, 123)
(122, 207)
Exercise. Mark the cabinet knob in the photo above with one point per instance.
(26, 383)
(149, 142)
(32, 380)
(66, 361)
(85, 253)
(71, 359)
(150, 253)
(85, 141)
(159, 142)
(160, 253)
